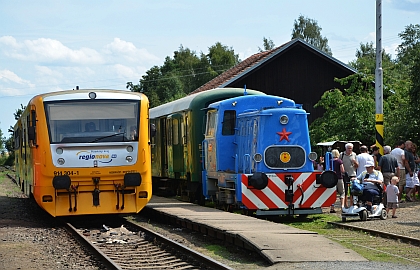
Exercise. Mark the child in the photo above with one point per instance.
(392, 196)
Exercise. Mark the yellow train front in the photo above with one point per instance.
(85, 152)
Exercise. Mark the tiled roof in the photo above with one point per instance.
(236, 70)
(254, 60)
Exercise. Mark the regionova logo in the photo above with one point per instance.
(102, 156)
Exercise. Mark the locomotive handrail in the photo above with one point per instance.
(236, 163)
(203, 163)
(243, 165)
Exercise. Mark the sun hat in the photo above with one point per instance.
(369, 163)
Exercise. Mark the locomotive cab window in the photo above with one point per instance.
(229, 121)
(88, 122)
(211, 123)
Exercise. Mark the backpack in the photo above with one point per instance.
(356, 188)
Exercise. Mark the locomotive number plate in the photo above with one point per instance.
(58, 173)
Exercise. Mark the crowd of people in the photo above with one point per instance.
(396, 173)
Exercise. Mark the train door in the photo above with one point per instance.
(246, 144)
(210, 144)
(162, 148)
(176, 147)
(209, 173)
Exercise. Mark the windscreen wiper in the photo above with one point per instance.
(109, 136)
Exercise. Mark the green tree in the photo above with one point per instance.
(309, 30)
(19, 112)
(2, 140)
(268, 44)
(221, 58)
(409, 49)
(185, 72)
(350, 113)
(409, 59)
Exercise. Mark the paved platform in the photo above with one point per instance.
(275, 242)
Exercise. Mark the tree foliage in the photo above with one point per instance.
(2, 140)
(309, 30)
(268, 44)
(19, 112)
(183, 73)
(409, 59)
(350, 114)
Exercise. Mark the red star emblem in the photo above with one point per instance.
(284, 135)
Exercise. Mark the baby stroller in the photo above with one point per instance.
(359, 207)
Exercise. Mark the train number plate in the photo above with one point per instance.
(58, 173)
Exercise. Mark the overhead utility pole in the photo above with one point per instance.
(379, 117)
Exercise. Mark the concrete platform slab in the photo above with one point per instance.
(274, 241)
(278, 247)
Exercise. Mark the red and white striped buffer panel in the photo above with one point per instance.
(306, 192)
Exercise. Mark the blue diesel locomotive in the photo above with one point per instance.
(257, 156)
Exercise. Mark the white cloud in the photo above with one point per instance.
(121, 48)
(46, 71)
(9, 76)
(10, 41)
(48, 51)
(128, 72)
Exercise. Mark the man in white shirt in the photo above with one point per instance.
(363, 158)
(399, 154)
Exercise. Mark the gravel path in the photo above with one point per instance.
(30, 238)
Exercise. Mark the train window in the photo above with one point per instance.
(170, 136)
(211, 123)
(186, 130)
(17, 138)
(175, 133)
(92, 121)
(229, 121)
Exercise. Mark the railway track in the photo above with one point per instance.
(121, 244)
(402, 248)
(402, 238)
(380, 243)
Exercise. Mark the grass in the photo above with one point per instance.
(371, 247)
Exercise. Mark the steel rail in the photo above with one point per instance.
(213, 264)
(407, 239)
(108, 262)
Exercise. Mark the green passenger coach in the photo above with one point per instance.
(177, 146)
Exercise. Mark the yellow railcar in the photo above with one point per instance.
(85, 152)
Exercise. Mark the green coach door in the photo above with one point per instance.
(177, 154)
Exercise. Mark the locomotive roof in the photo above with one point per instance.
(257, 102)
(199, 100)
(83, 93)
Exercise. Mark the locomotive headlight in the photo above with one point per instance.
(313, 156)
(258, 157)
(129, 158)
(284, 119)
(130, 148)
(59, 151)
(60, 161)
(92, 95)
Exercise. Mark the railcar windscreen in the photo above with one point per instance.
(92, 121)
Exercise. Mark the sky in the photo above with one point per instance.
(49, 45)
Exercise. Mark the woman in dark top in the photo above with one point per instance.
(338, 168)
